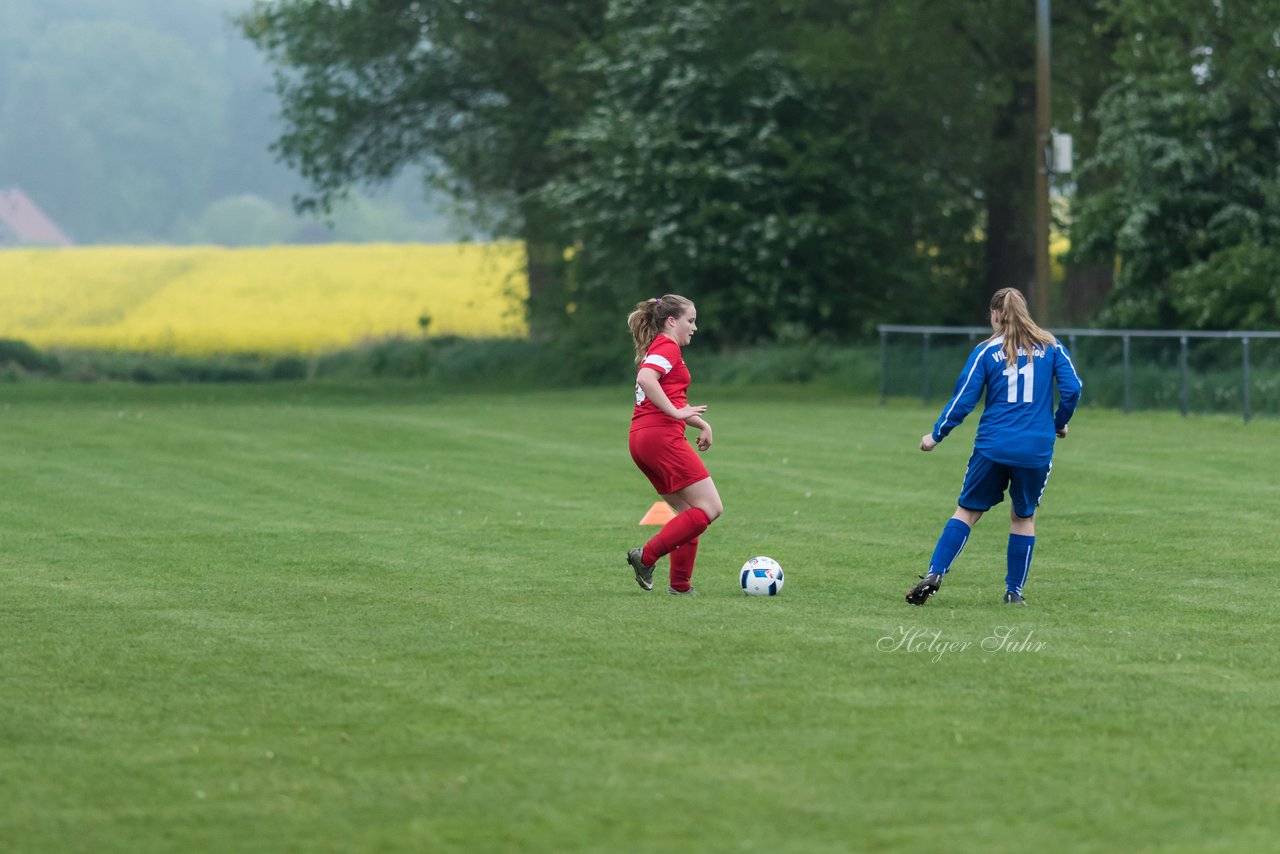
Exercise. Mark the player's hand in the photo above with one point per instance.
(704, 438)
(1062, 434)
(927, 443)
(684, 413)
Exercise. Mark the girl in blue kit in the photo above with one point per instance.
(1013, 451)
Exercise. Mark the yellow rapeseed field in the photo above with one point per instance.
(285, 299)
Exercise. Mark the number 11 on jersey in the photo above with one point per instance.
(1028, 372)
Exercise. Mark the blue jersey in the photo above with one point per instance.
(1019, 422)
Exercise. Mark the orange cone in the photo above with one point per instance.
(659, 514)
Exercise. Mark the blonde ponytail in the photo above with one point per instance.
(1019, 330)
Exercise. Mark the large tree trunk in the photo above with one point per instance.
(1010, 244)
(1010, 195)
(544, 263)
(1085, 292)
(541, 267)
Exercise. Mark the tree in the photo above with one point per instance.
(998, 38)
(244, 220)
(959, 84)
(811, 166)
(963, 74)
(1083, 45)
(756, 166)
(470, 90)
(1188, 140)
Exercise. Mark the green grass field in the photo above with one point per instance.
(307, 618)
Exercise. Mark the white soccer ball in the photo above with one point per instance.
(761, 576)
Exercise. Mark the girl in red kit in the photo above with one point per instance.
(660, 327)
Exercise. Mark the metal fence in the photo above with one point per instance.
(1130, 368)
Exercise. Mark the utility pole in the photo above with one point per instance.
(1043, 143)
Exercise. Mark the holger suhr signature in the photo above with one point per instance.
(931, 642)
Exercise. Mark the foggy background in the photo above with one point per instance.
(150, 121)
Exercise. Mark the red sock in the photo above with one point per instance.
(682, 564)
(680, 530)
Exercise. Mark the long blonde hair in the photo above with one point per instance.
(648, 318)
(1016, 325)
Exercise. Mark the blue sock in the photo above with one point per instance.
(954, 535)
(1019, 555)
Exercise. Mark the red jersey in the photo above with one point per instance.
(664, 357)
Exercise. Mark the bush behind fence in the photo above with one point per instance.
(901, 366)
(1152, 371)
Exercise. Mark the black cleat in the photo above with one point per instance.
(674, 592)
(644, 574)
(1011, 598)
(928, 586)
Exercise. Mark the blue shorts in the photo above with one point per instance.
(985, 483)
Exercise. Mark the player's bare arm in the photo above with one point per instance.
(704, 437)
(647, 379)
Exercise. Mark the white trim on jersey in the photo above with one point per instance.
(995, 342)
(1070, 363)
(660, 361)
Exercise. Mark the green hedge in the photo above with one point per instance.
(450, 361)
(1214, 370)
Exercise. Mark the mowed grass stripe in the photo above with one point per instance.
(336, 619)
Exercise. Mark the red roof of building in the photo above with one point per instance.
(22, 223)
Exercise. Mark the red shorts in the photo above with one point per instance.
(666, 458)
